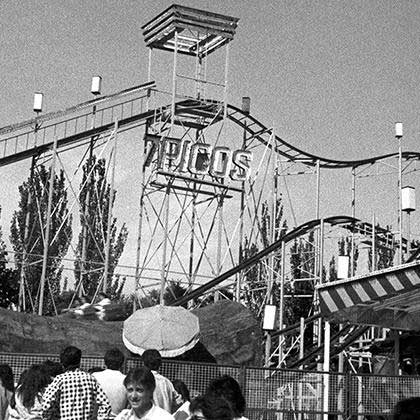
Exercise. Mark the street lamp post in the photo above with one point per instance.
(398, 136)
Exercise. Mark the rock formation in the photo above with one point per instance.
(228, 332)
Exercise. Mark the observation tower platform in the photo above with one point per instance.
(199, 32)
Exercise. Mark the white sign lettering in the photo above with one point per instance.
(198, 158)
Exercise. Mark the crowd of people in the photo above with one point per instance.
(62, 390)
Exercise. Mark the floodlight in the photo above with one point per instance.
(398, 129)
(96, 85)
(408, 199)
(38, 98)
(343, 266)
(269, 320)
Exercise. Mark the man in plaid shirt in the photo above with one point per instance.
(74, 395)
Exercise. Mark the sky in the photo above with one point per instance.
(332, 78)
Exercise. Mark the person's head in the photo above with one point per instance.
(152, 359)
(114, 359)
(408, 409)
(53, 368)
(227, 387)
(34, 381)
(6, 377)
(210, 407)
(70, 357)
(182, 389)
(140, 384)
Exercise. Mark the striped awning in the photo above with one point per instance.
(388, 298)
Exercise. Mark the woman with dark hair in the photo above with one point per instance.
(28, 396)
(210, 407)
(228, 388)
(140, 384)
(53, 368)
(6, 388)
(183, 411)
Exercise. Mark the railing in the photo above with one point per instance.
(274, 393)
(26, 138)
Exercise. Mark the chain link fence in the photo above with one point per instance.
(274, 394)
(374, 394)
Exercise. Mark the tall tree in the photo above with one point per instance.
(9, 278)
(30, 220)
(95, 193)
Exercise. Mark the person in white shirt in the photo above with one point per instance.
(111, 380)
(164, 395)
(140, 384)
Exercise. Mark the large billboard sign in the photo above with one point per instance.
(184, 156)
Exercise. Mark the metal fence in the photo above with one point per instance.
(275, 394)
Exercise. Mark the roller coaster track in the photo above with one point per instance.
(74, 125)
(316, 352)
(258, 131)
(97, 117)
(295, 233)
(36, 136)
(30, 138)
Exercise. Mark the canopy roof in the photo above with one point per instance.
(388, 298)
(169, 329)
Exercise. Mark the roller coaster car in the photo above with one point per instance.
(110, 312)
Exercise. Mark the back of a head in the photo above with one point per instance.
(70, 357)
(408, 409)
(227, 387)
(6, 377)
(212, 407)
(52, 368)
(114, 359)
(152, 359)
(34, 381)
(141, 375)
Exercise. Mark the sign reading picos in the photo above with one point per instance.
(184, 156)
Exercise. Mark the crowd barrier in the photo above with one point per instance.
(275, 394)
